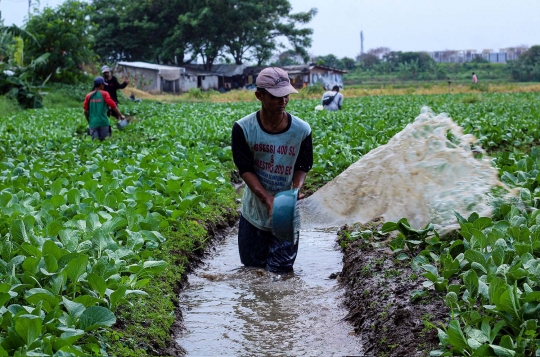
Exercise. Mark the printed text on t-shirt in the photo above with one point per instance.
(279, 149)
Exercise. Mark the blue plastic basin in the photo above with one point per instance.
(122, 123)
(284, 215)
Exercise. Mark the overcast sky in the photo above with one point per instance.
(401, 25)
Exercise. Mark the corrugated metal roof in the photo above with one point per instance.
(227, 70)
(296, 69)
(150, 66)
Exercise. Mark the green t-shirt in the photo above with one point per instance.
(98, 110)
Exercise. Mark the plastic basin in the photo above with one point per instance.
(284, 215)
(122, 123)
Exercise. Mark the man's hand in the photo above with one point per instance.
(269, 203)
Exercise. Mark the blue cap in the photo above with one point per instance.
(99, 80)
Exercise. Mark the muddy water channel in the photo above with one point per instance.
(230, 310)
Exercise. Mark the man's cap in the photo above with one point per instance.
(276, 81)
(105, 69)
(99, 80)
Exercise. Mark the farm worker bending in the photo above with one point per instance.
(273, 152)
(111, 86)
(332, 100)
(95, 110)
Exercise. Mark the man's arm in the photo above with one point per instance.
(243, 159)
(252, 181)
(117, 84)
(340, 101)
(86, 107)
(303, 165)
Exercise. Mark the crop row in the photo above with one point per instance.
(80, 220)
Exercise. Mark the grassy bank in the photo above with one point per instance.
(148, 324)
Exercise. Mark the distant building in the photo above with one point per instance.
(304, 75)
(154, 78)
(157, 78)
(229, 76)
(502, 56)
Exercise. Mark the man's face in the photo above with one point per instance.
(271, 103)
(106, 74)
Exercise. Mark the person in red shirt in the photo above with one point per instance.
(95, 107)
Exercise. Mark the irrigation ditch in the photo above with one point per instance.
(289, 316)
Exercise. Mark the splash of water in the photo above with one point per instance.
(425, 173)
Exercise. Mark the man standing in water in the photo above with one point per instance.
(273, 152)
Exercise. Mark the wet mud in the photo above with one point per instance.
(378, 290)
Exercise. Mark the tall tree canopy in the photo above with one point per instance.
(169, 31)
(63, 33)
(144, 30)
(527, 67)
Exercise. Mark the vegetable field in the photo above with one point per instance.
(87, 229)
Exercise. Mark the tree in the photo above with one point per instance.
(348, 63)
(379, 52)
(330, 61)
(251, 29)
(63, 33)
(527, 67)
(421, 60)
(17, 74)
(141, 30)
(287, 58)
(369, 61)
(479, 59)
(531, 56)
(170, 31)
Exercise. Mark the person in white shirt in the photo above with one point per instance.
(336, 102)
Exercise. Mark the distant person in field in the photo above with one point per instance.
(332, 100)
(273, 152)
(111, 86)
(474, 78)
(95, 107)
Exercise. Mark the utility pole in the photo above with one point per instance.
(361, 43)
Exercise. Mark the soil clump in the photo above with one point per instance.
(378, 296)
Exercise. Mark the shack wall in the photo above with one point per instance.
(146, 79)
(209, 82)
(189, 81)
(326, 78)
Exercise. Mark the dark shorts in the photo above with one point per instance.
(262, 249)
(101, 132)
